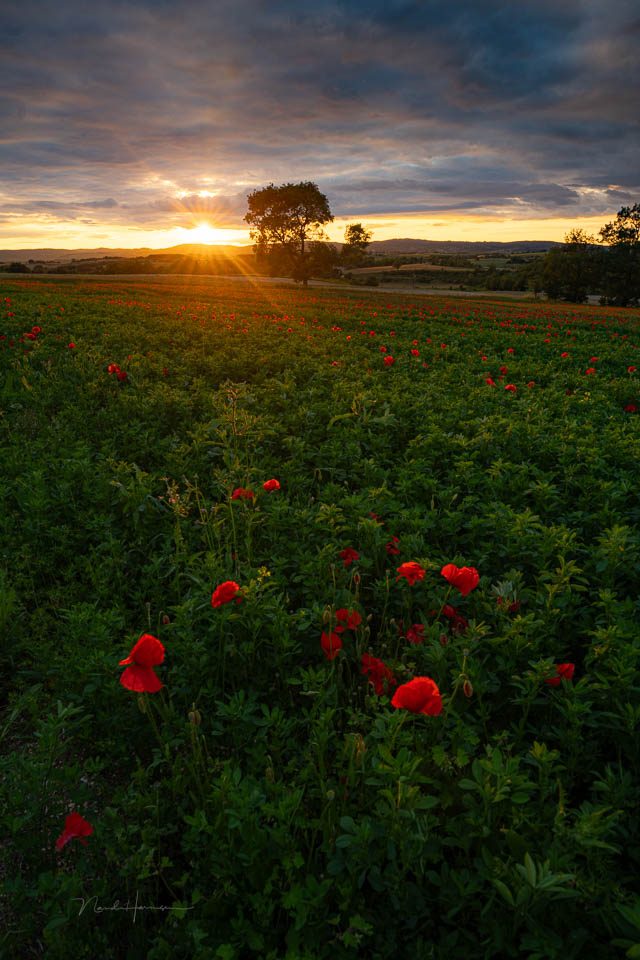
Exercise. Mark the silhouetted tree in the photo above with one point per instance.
(621, 262)
(283, 219)
(356, 241)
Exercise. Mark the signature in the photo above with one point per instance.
(127, 907)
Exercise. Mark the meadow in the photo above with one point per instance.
(320, 624)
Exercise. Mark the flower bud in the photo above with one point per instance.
(195, 717)
(331, 795)
(467, 689)
(326, 614)
(166, 620)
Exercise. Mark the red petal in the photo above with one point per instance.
(140, 679)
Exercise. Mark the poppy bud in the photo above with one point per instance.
(443, 639)
(166, 620)
(195, 717)
(331, 795)
(467, 689)
(356, 578)
(326, 614)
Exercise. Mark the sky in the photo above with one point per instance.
(145, 123)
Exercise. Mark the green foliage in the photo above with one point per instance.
(267, 802)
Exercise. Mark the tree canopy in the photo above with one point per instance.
(283, 219)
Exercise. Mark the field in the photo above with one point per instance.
(456, 500)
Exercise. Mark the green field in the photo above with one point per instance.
(270, 801)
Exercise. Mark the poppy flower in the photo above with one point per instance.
(564, 354)
(379, 674)
(415, 633)
(415, 353)
(420, 695)
(271, 485)
(122, 375)
(563, 670)
(510, 387)
(388, 361)
(531, 383)
(465, 579)
(140, 676)
(74, 826)
(591, 370)
(331, 644)
(391, 546)
(225, 593)
(458, 623)
(35, 330)
(631, 369)
(350, 618)
(348, 555)
(113, 368)
(241, 494)
(491, 382)
(503, 369)
(411, 570)
(630, 408)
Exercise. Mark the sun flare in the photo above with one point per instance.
(205, 233)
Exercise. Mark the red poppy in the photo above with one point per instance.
(458, 623)
(74, 826)
(630, 408)
(531, 383)
(591, 370)
(503, 369)
(271, 485)
(140, 676)
(35, 330)
(465, 579)
(225, 593)
(113, 368)
(491, 382)
(629, 369)
(241, 494)
(420, 695)
(391, 546)
(510, 350)
(563, 670)
(379, 674)
(350, 618)
(510, 387)
(415, 353)
(348, 555)
(122, 375)
(564, 354)
(415, 633)
(388, 361)
(411, 570)
(72, 346)
(331, 644)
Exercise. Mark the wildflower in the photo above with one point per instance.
(491, 382)
(467, 689)
(225, 593)
(74, 826)
(503, 369)
(563, 670)
(531, 383)
(388, 361)
(591, 370)
(35, 330)
(564, 354)
(510, 387)
(113, 368)
(72, 346)
(348, 555)
(122, 375)
(331, 644)
(379, 674)
(271, 485)
(631, 369)
(415, 353)
(415, 633)
(391, 546)
(140, 676)
(350, 618)
(420, 695)
(411, 570)
(458, 623)
(510, 350)
(241, 494)
(630, 408)
(465, 579)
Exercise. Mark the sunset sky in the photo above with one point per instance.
(147, 122)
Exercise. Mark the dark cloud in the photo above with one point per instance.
(391, 106)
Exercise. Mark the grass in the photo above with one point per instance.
(270, 801)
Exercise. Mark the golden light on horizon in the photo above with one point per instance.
(203, 232)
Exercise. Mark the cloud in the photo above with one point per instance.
(391, 106)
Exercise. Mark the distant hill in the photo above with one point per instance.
(45, 255)
(380, 247)
(390, 247)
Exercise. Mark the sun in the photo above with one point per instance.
(205, 233)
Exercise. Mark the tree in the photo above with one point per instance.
(283, 219)
(356, 241)
(621, 267)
